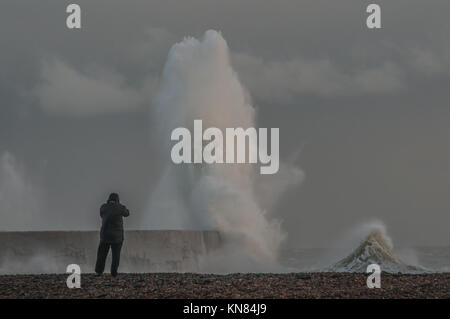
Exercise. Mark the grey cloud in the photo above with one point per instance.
(378, 80)
(67, 91)
(152, 49)
(372, 152)
(431, 62)
(282, 81)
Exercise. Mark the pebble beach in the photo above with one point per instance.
(212, 286)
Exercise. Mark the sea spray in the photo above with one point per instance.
(198, 82)
(370, 244)
(21, 199)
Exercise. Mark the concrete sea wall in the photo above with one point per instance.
(143, 251)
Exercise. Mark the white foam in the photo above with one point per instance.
(375, 248)
(199, 82)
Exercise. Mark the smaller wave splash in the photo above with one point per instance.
(376, 248)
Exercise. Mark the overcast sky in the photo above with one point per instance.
(369, 109)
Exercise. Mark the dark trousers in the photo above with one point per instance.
(102, 253)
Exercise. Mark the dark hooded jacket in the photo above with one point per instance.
(112, 213)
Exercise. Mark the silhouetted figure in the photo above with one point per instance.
(111, 233)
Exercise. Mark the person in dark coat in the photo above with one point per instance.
(111, 233)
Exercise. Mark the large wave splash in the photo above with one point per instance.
(375, 248)
(198, 82)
